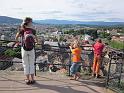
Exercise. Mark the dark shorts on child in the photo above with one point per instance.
(74, 67)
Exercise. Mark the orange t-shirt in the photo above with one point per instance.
(76, 55)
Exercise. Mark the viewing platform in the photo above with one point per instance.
(12, 77)
(13, 82)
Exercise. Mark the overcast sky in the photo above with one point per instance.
(81, 10)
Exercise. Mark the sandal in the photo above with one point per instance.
(78, 77)
(27, 82)
(32, 82)
(94, 75)
(72, 78)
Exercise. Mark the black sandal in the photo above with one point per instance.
(32, 82)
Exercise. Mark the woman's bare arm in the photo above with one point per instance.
(17, 36)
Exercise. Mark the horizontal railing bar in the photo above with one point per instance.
(44, 63)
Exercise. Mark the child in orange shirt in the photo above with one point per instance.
(76, 59)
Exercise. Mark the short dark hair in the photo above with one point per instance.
(99, 40)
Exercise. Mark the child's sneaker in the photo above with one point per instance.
(94, 75)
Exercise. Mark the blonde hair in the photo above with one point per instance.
(76, 42)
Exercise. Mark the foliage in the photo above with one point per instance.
(10, 52)
(17, 49)
(61, 38)
(91, 32)
(116, 44)
(13, 53)
(121, 31)
(104, 35)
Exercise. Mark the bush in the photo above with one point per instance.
(13, 53)
(10, 52)
(116, 44)
(17, 49)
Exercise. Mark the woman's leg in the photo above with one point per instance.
(25, 64)
(32, 78)
(94, 65)
(98, 65)
(32, 61)
(27, 77)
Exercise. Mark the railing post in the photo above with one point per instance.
(108, 74)
(35, 62)
(119, 80)
(69, 73)
(35, 69)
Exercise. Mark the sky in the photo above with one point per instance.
(80, 10)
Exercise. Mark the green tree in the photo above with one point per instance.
(116, 44)
(13, 52)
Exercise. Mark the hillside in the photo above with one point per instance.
(9, 20)
(99, 23)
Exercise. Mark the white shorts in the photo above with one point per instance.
(28, 60)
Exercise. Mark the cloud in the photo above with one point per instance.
(64, 9)
(40, 12)
(91, 15)
(17, 9)
(51, 12)
(115, 19)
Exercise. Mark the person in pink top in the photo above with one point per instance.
(97, 48)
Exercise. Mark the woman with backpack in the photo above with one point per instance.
(28, 35)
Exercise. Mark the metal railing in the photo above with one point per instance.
(113, 60)
(115, 70)
(58, 51)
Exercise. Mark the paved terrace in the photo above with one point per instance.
(13, 82)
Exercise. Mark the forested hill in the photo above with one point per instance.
(9, 20)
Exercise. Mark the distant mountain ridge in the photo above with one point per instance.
(54, 21)
(9, 20)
